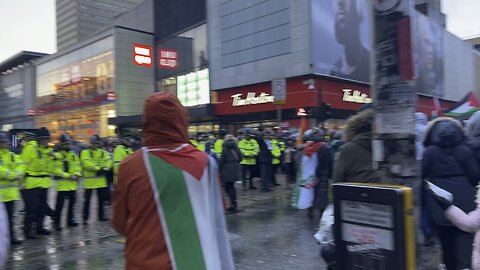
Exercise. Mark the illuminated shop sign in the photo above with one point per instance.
(142, 55)
(168, 58)
(193, 88)
(252, 99)
(355, 96)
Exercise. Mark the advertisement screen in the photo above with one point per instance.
(429, 43)
(341, 37)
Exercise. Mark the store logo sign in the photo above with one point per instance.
(142, 55)
(252, 99)
(168, 58)
(355, 96)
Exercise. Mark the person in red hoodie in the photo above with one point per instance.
(168, 202)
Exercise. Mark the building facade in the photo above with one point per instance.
(17, 91)
(77, 19)
(322, 51)
(108, 75)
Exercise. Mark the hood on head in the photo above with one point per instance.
(444, 131)
(473, 126)
(165, 121)
(358, 124)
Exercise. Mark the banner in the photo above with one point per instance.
(341, 38)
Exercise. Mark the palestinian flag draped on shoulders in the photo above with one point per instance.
(465, 107)
(196, 198)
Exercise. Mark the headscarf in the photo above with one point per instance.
(421, 122)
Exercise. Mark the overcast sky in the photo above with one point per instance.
(30, 24)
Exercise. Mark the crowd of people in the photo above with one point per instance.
(40, 166)
(173, 180)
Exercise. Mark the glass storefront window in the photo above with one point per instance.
(187, 53)
(80, 123)
(85, 79)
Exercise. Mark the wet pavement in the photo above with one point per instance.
(265, 234)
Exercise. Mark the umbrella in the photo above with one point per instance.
(250, 131)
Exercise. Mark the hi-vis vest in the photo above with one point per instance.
(276, 152)
(66, 165)
(92, 161)
(249, 149)
(38, 165)
(10, 168)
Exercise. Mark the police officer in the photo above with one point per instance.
(11, 172)
(96, 163)
(249, 149)
(276, 160)
(121, 152)
(67, 173)
(218, 145)
(37, 181)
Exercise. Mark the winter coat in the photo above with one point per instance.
(265, 155)
(230, 162)
(450, 164)
(469, 223)
(167, 202)
(354, 162)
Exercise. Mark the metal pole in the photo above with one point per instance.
(279, 116)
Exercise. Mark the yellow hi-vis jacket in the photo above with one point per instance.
(66, 165)
(38, 166)
(276, 152)
(11, 168)
(249, 149)
(93, 161)
(119, 154)
(218, 147)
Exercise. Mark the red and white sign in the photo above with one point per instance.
(31, 112)
(111, 96)
(168, 58)
(142, 55)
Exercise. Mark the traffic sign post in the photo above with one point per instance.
(374, 227)
(279, 91)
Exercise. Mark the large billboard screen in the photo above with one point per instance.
(341, 35)
(429, 49)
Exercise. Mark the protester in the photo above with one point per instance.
(467, 222)
(264, 159)
(168, 202)
(354, 163)
(450, 164)
(229, 166)
(290, 163)
(323, 169)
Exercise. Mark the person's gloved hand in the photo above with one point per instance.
(101, 172)
(442, 197)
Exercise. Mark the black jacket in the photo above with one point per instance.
(265, 155)
(229, 163)
(450, 164)
(324, 168)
